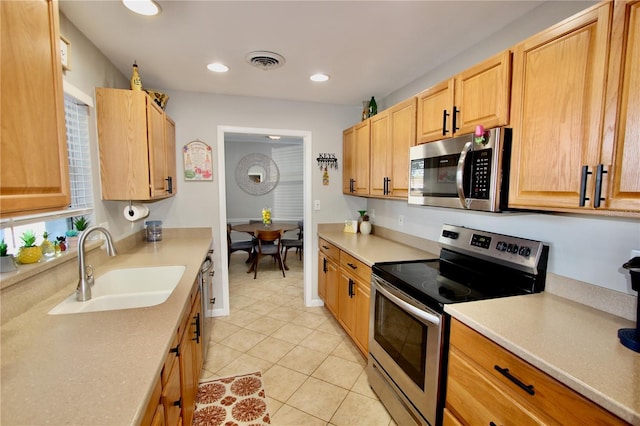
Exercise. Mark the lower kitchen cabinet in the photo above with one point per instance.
(177, 384)
(488, 385)
(345, 290)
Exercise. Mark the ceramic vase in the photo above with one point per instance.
(365, 227)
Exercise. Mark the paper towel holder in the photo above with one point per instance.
(131, 212)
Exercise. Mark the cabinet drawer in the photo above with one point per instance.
(549, 395)
(475, 400)
(329, 249)
(355, 266)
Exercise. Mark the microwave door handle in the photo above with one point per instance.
(418, 313)
(460, 174)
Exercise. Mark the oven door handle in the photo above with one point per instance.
(460, 174)
(419, 313)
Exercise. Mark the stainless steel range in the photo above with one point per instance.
(408, 329)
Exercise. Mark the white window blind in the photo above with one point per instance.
(288, 196)
(77, 119)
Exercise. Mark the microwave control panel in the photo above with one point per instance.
(481, 174)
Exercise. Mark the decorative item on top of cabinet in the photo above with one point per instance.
(560, 160)
(393, 132)
(137, 146)
(479, 95)
(136, 81)
(34, 174)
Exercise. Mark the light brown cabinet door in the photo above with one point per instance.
(393, 132)
(171, 394)
(329, 276)
(170, 152)
(621, 139)
(33, 144)
(347, 302)
(361, 327)
(157, 149)
(434, 112)
(362, 148)
(188, 382)
(557, 108)
(482, 94)
(348, 160)
(381, 153)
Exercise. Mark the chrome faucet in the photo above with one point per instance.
(83, 292)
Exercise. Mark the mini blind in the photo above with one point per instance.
(77, 118)
(288, 195)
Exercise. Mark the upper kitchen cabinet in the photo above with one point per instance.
(479, 95)
(621, 137)
(137, 146)
(355, 150)
(393, 132)
(33, 145)
(559, 161)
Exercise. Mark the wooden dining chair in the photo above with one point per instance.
(268, 245)
(233, 246)
(288, 243)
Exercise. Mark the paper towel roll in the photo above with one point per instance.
(135, 212)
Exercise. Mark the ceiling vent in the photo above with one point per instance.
(265, 60)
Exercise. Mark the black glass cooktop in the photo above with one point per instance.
(454, 279)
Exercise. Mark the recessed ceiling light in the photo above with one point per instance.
(319, 77)
(142, 7)
(274, 137)
(218, 67)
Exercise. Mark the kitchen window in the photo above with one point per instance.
(77, 111)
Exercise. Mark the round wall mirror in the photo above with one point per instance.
(257, 174)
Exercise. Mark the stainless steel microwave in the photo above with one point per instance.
(465, 172)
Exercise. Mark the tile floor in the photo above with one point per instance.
(313, 373)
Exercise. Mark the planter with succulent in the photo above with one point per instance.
(7, 264)
(362, 213)
(47, 247)
(29, 252)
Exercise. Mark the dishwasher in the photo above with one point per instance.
(205, 280)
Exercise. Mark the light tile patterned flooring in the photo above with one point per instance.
(313, 373)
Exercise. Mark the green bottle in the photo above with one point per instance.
(373, 107)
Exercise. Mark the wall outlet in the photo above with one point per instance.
(373, 213)
(401, 220)
(316, 204)
(635, 253)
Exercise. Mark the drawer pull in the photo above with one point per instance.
(505, 372)
(352, 266)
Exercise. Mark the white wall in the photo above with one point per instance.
(586, 248)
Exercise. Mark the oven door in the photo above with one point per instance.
(405, 350)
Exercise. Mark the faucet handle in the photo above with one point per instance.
(88, 271)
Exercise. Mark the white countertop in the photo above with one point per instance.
(371, 248)
(95, 368)
(576, 344)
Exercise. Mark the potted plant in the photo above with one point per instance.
(29, 252)
(80, 223)
(7, 264)
(365, 225)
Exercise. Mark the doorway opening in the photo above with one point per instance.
(228, 133)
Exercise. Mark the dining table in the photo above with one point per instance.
(253, 227)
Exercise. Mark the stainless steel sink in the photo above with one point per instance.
(126, 288)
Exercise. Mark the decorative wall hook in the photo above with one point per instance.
(327, 160)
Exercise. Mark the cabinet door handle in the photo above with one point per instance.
(583, 185)
(169, 180)
(175, 350)
(197, 324)
(454, 118)
(178, 403)
(597, 196)
(351, 293)
(324, 264)
(505, 372)
(445, 114)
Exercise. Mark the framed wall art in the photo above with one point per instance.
(197, 161)
(65, 53)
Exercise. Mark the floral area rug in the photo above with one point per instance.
(232, 401)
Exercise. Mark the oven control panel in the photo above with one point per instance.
(515, 252)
